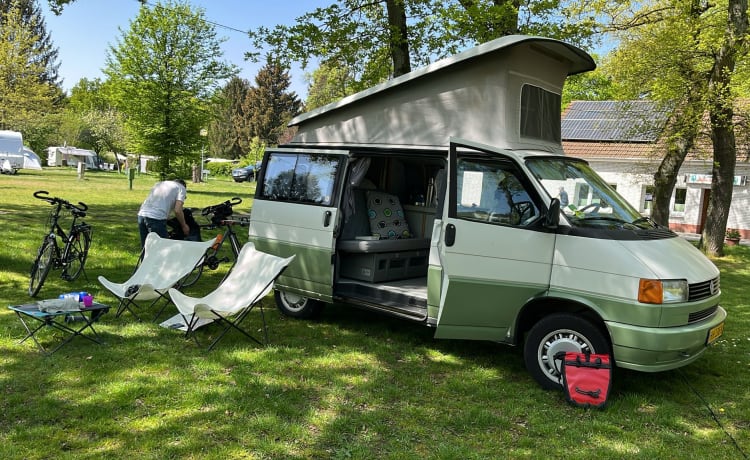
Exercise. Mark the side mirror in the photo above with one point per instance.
(552, 219)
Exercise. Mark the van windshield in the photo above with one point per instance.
(585, 198)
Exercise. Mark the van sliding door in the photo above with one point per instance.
(495, 253)
(296, 212)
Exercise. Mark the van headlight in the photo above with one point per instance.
(662, 291)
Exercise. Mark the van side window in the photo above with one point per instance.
(491, 191)
(540, 114)
(302, 178)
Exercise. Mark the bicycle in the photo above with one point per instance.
(219, 217)
(71, 258)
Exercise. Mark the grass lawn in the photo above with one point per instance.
(349, 385)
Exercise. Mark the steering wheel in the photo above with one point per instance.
(522, 212)
(593, 206)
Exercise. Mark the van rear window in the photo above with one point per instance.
(302, 178)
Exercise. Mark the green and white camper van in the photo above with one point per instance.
(444, 197)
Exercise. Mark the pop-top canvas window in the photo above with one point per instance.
(540, 114)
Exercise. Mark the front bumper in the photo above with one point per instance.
(656, 349)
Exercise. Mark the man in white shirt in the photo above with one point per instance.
(164, 198)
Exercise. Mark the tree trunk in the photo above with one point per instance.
(721, 111)
(685, 128)
(399, 45)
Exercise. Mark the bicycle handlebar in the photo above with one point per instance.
(221, 206)
(80, 209)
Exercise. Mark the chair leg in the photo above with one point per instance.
(235, 325)
(124, 305)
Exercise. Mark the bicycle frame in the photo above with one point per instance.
(219, 217)
(71, 258)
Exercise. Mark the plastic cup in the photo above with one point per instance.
(88, 300)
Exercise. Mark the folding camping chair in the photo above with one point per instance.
(244, 287)
(165, 264)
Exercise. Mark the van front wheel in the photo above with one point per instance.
(556, 333)
(297, 306)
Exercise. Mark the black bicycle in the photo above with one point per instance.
(219, 217)
(71, 258)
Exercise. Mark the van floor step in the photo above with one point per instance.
(410, 303)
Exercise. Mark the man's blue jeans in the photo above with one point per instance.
(147, 225)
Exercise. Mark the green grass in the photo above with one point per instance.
(349, 385)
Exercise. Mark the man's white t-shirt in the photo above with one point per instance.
(160, 201)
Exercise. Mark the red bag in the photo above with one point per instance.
(586, 378)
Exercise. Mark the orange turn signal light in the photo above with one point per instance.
(650, 291)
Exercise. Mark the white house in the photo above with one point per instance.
(620, 139)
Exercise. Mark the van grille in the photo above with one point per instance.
(704, 290)
(701, 315)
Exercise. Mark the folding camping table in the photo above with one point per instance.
(74, 322)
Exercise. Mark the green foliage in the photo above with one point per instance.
(358, 35)
(25, 95)
(163, 71)
(352, 384)
(44, 53)
(329, 83)
(270, 105)
(589, 86)
(227, 131)
(220, 168)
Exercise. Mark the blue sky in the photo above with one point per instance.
(86, 28)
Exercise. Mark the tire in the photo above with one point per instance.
(297, 306)
(555, 333)
(76, 257)
(192, 277)
(41, 266)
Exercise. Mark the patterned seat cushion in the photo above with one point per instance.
(386, 216)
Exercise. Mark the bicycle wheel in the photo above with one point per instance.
(193, 276)
(41, 266)
(76, 254)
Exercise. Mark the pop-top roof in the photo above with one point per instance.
(473, 95)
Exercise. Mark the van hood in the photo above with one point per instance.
(673, 258)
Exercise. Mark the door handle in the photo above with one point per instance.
(327, 218)
(450, 234)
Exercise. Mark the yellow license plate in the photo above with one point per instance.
(715, 333)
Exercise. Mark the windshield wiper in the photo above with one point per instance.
(645, 219)
(604, 218)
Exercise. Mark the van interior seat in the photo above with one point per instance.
(358, 225)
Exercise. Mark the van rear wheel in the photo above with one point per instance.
(556, 333)
(297, 306)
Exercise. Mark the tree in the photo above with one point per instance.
(721, 103)
(43, 50)
(328, 83)
(227, 129)
(684, 54)
(163, 71)
(24, 94)
(269, 105)
(380, 39)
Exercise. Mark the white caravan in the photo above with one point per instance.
(11, 152)
(444, 197)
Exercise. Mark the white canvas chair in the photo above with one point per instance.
(250, 280)
(164, 265)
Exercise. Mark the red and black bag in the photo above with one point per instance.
(586, 378)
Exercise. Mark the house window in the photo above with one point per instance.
(680, 194)
(648, 198)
